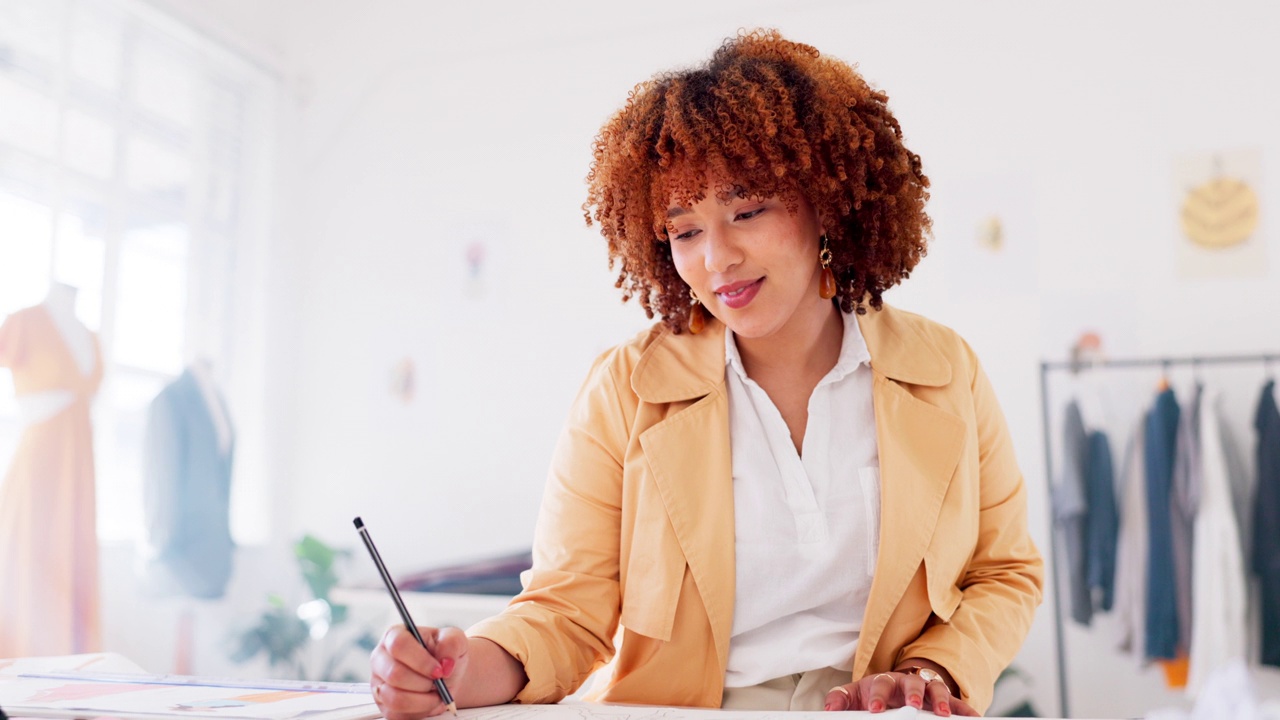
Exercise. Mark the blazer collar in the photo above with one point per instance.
(680, 367)
(686, 366)
(900, 350)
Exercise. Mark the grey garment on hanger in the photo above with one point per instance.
(1131, 549)
(1184, 499)
(1070, 512)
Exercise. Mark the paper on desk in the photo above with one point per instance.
(101, 690)
(99, 662)
(591, 711)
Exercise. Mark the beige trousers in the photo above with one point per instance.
(800, 691)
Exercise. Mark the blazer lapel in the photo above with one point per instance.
(688, 453)
(920, 446)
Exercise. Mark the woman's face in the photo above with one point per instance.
(751, 263)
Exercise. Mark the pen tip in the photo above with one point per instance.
(359, 523)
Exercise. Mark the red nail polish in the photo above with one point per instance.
(916, 701)
(877, 706)
(447, 666)
(944, 709)
(827, 706)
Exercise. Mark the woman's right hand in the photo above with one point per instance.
(403, 673)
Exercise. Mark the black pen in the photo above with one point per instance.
(441, 688)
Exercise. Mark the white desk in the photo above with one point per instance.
(427, 608)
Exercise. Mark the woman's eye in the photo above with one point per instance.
(686, 235)
(749, 214)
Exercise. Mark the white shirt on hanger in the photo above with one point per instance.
(813, 520)
(1219, 589)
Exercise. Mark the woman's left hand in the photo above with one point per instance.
(886, 690)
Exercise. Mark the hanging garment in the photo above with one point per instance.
(1162, 603)
(187, 482)
(1103, 523)
(1266, 522)
(1131, 547)
(1184, 496)
(1219, 602)
(48, 525)
(1070, 511)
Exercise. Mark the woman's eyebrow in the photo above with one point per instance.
(676, 212)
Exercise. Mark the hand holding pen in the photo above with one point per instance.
(403, 685)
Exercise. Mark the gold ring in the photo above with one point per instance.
(841, 689)
(892, 679)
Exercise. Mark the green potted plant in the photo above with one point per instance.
(298, 640)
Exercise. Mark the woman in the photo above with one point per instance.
(787, 494)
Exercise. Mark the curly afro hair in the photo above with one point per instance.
(765, 117)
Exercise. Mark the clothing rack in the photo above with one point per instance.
(1048, 367)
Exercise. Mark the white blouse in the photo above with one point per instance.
(807, 528)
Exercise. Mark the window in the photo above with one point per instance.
(131, 167)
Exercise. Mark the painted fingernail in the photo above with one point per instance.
(877, 706)
(446, 666)
(944, 709)
(916, 701)
(827, 707)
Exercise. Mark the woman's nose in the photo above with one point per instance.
(720, 252)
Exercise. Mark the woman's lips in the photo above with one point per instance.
(740, 295)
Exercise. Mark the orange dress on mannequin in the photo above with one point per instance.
(48, 526)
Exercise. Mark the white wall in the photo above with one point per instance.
(414, 128)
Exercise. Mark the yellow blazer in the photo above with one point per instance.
(637, 525)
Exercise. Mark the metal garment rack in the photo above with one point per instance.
(1054, 366)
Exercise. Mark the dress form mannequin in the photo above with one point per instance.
(48, 537)
(187, 553)
(60, 304)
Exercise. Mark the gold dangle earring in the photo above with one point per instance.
(827, 282)
(696, 319)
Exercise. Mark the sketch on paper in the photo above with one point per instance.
(63, 687)
(590, 711)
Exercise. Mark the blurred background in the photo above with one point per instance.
(355, 230)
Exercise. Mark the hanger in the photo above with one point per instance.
(1163, 383)
(1195, 372)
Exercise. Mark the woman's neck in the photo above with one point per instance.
(808, 345)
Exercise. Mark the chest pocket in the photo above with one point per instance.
(655, 570)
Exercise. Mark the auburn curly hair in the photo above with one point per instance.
(764, 117)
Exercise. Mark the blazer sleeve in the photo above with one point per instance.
(1003, 582)
(561, 627)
